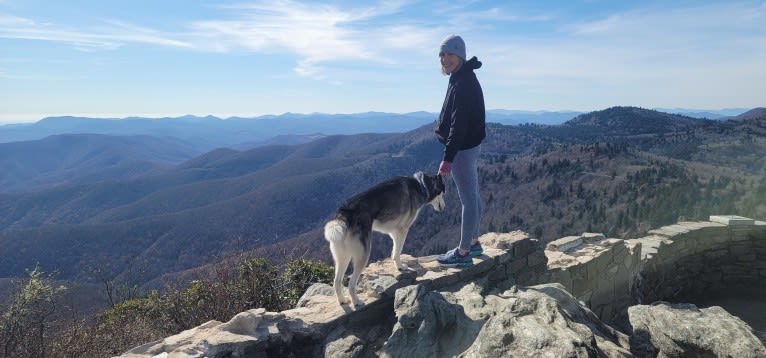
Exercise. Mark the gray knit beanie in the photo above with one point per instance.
(454, 45)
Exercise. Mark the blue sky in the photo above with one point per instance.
(157, 58)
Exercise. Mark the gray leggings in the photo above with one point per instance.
(465, 174)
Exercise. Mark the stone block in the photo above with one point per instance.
(496, 275)
(679, 242)
(603, 294)
(719, 239)
(735, 270)
(502, 259)
(611, 270)
(747, 258)
(758, 230)
(523, 247)
(580, 286)
(557, 259)
(667, 267)
(469, 273)
(628, 262)
(670, 289)
(734, 237)
(732, 220)
(711, 277)
(599, 265)
(672, 230)
(691, 226)
(578, 272)
(607, 253)
(691, 264)
(437, 280)
(666, 253)
(504, 241)
(527, 277)
(564, 244)
(681, 229)
(623, 279)
(537, 258)
(541, 271)
(715, 256)
(592, 236)
(740, 279)
(561, 275)
(619, 250)
(663, 232)
(516, 265)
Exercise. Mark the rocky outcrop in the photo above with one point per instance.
(578, 297)
(319, 326)
(683, 330)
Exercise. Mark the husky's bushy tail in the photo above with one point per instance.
(335, 230)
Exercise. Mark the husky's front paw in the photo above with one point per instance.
(358, 303)
(343, 300)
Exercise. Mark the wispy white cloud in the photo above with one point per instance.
(315, 33)
(10, 21)
(111, 35)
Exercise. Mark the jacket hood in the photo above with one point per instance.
(468, 66)
(473, 63)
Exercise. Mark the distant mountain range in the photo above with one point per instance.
(211, 132)
(166, 205)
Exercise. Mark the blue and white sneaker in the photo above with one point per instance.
(453, 258)
(476, 250)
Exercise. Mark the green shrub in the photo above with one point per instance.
(26, 324)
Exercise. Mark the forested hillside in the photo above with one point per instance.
(618, 171)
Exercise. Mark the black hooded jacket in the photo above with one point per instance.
(461, 121)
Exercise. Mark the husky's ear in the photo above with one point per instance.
(419, 177)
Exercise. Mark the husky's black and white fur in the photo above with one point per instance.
(389, 207)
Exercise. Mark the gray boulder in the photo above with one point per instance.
(683, 330)
(543, 320)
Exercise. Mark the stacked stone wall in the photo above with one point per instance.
(599, 271)
(675, 262)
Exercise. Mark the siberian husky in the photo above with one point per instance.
(389, 207)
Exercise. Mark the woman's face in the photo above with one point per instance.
(449, 62)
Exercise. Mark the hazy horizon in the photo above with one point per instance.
(720, 111)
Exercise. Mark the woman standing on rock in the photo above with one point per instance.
(461, 129)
